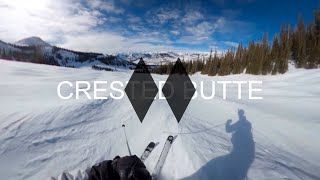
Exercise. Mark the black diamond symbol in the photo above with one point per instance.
(141, 89)
(178, 90)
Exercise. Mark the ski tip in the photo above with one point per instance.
(170, 138)
(152, 145)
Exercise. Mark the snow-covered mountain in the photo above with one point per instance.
(66, 57)
(37, 51)
(42, 135)
(157, 58)
(32, 41)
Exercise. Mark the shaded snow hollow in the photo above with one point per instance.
(42, 136)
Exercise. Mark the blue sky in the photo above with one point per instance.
(149, 25)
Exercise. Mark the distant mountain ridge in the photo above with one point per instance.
(32, 49)
(157, 58)
(43, 53)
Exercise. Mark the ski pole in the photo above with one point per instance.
(125, 134)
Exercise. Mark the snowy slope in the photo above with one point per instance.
(32, 41)
(41, 135)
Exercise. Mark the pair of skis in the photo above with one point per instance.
(162, 158)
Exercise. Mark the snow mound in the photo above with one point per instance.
(42, 135)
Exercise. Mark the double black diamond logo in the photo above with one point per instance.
(178, 90)
(141, 89)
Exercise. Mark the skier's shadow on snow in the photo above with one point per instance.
(235, 165)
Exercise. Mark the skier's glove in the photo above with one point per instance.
(130, 168)
(229, 121)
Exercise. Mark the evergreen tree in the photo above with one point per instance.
(275, 53)
(317, 27)
(189, 69)
(237, 60)
(311, 46)
(250, 66)
(207, 64)
(244, 61)
(214, 65)
(194, 67)
(300, 44)
(266, 62)
(284, 49)
(316, 50)
(226, 63)
(169, 67)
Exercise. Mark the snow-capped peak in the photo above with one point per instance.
(32, 41)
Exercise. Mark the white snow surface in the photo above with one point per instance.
(42, 135)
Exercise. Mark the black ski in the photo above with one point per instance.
(162, 158)
(147, 151)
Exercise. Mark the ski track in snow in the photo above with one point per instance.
(42, 136)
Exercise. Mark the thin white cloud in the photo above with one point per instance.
(108, 6)
(113, 19)
(175, 32)
(134, 19)
(231, 44)
(230, 26)
(189, 39)
(162, 15)
(201, 29)
(192, 16)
